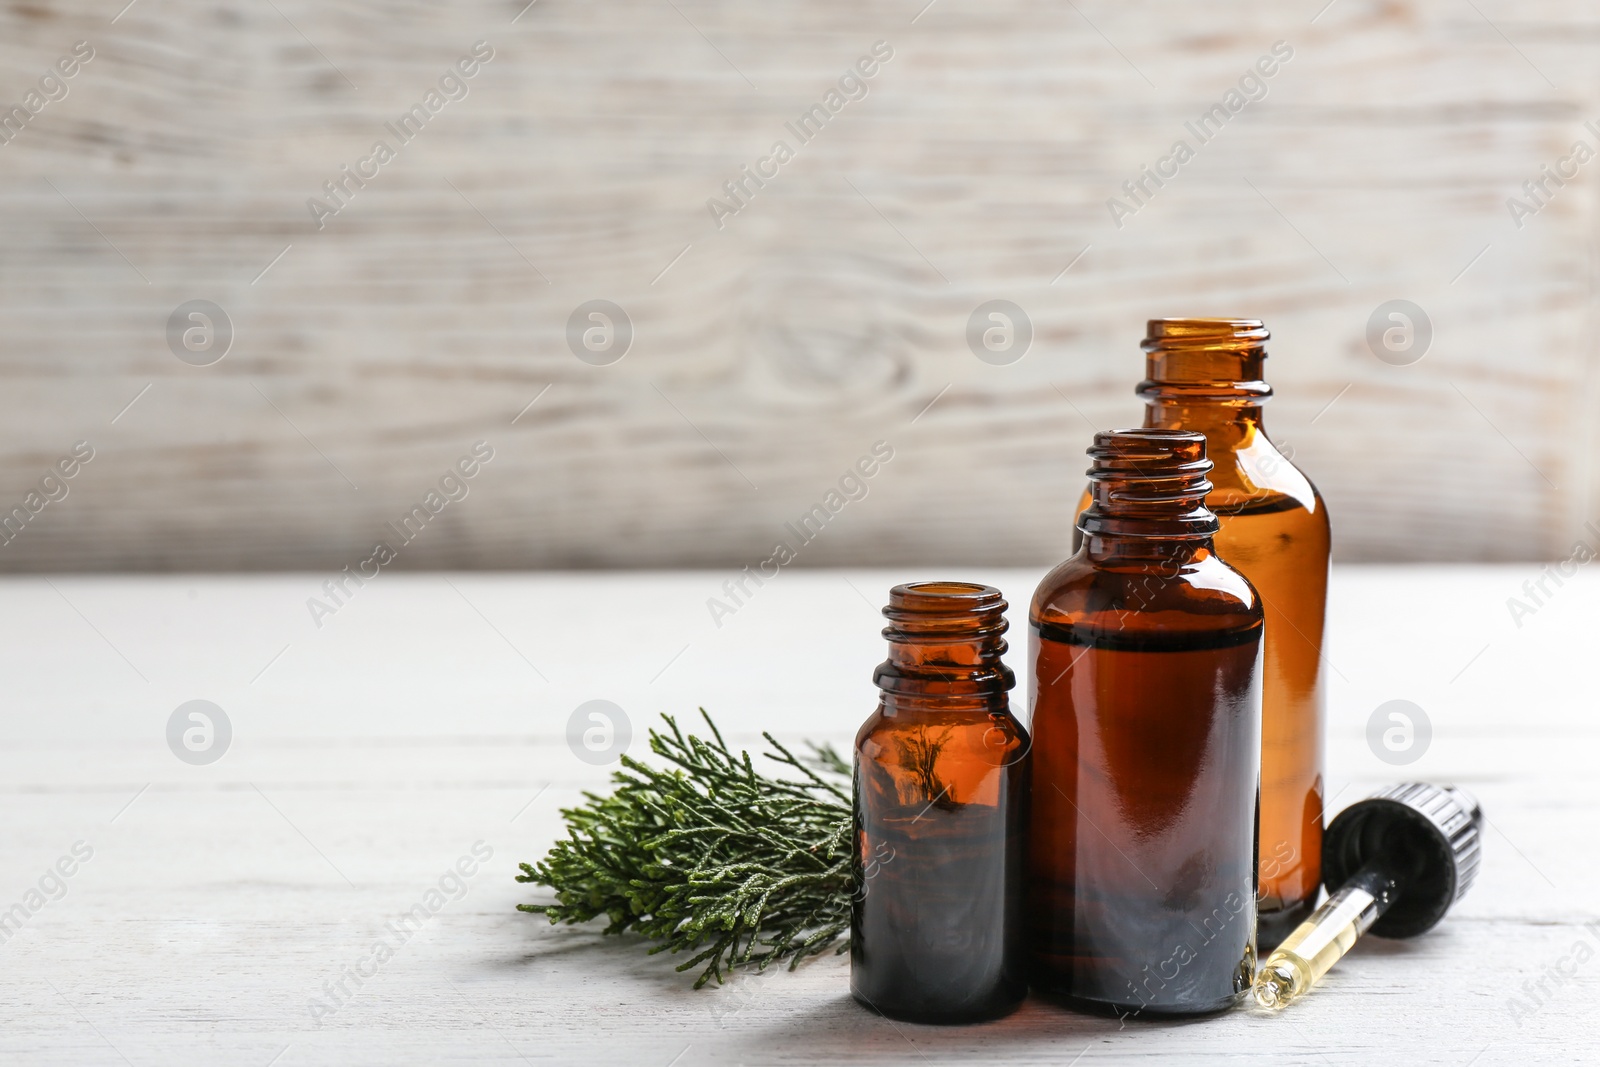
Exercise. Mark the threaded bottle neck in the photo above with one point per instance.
(1204, 362)
(1149, 483)
(945, 639)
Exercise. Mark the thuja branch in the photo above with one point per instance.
(709, 856)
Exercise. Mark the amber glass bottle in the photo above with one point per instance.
(1206, 375)
(1146, 650)
(940, 793)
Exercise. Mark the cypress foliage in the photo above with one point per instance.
(709, 856)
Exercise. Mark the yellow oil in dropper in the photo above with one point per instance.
(1316, 944)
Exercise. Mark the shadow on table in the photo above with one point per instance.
(1388, 948)
(619, 955)
(811, 1016)
(839, 1029)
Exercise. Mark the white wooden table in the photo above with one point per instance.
(429, 714)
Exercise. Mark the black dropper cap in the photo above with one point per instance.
(1426, 838)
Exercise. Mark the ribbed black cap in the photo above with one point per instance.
(1429, 837)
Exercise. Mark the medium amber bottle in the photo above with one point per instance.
(1146, 650)
(940, 794)
(1206, 375)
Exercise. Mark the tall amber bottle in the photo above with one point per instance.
(1206, 375)
(1146, 650)
(940, 795)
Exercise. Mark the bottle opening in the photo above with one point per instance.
(1149, 453)
(1172, 333)
(944, 612)
(1200, 360)
(945, 596)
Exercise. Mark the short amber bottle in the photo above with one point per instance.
(1206, 375)
(940, 794)
(1146, 650)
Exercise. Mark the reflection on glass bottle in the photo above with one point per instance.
(920, 756)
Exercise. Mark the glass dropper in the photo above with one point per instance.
(1316, 944)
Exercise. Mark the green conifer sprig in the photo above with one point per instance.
(710, 856)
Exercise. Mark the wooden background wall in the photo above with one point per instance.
(826, 315)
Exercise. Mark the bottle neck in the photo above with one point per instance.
(909, 704)
(1225, 425)
(1206, 375)
(1147, 494)
(1166, 554)
(946, 646)
(1212, 391)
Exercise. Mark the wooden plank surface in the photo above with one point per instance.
(371, 755)
(827, 314)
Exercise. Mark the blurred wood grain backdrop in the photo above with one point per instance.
(829, 313)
